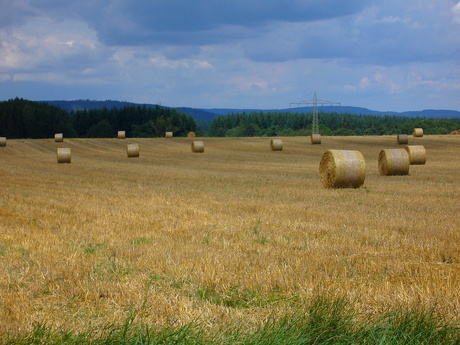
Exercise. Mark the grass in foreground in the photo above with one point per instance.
(323, 321)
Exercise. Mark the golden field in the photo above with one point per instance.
(232, 235)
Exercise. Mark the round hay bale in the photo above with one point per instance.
(276, 145)
(393, 162)
(121, 135)
(418, 132)
(403, 139)
(59, 137)
(191, 135)
(197, 146)
(2, 141)
(132, 150)
(315, 139)
(417, 154)
(168, 134)
(342, 169)
(63, 155)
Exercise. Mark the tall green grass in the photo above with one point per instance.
(321, 322)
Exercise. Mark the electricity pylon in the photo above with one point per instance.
(314, 102)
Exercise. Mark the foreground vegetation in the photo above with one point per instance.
(322, 322)
(231, 245)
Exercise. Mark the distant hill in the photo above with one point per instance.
(210, 114)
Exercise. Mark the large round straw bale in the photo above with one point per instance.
(393, 162)
(132, 150)
(342, 169)
(2, 141)
(417, 154)
(59, 137)
(63, 155)
(197, 146)
(418, 132)
(315, 138)
(121, 135)
(276, 145)
(168, 134)
(403, 139)
(191, 135)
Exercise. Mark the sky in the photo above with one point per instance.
(389, 55)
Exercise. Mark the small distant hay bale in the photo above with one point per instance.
(121, 135)
(2, 141)
(168, 134)
(197, 146)
(276, 145)
(418, 132)
(342, 169)
(417, 154)
(315, 139)
(191, 135)
(393, 162)
(403, 139)
(58, 137)
(63, 155)
(132, 150)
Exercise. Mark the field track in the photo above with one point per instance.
(234, 234)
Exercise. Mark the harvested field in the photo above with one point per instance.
(234, 235)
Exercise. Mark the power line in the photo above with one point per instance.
(314, 102)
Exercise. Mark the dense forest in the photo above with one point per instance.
(21, 118)
(291, 124)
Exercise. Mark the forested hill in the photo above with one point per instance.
(292, 124)
(20, 118)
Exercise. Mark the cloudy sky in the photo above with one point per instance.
(394, 55)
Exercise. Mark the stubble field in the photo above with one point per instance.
(229, 236)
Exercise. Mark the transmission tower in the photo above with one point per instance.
(314, 102)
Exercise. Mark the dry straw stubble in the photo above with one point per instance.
(315, 139)
(342, 169)
(276, 145)
(197, 146)
(417, 154)
(403, 139)
(59, 137)
(2, 141)
(64, 155)
(132, 150)
(417, 132)
(393, 162)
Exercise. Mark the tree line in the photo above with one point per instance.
(21, 118)
(292, 124)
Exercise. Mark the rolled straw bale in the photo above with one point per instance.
(417, 154)
(2, 141)
(403, 139)
(418, 132)
(58, 138)
(197, 146)
(276, 145)
(121, 135)
(315, 138)
(168, 134)
(132, 150)
(63, 155)
(342, 169)
(191, 135)
(393, 162)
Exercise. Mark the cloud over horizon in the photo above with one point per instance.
(388, 55)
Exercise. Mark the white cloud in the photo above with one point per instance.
(456, 13)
